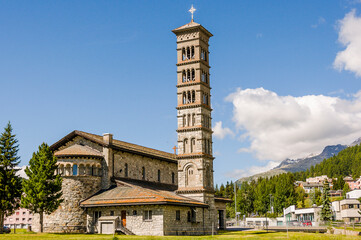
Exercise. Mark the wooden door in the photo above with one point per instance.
(124, 217)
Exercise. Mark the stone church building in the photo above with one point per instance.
(111, 185)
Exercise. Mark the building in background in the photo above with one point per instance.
(347, 210)
(22, 218)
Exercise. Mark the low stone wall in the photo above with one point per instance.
(337, 231)
(69, 217)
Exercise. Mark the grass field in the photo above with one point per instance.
(223, 235)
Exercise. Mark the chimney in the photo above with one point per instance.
(108, 138)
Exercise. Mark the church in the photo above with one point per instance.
(111, 185)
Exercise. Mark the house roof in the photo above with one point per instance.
(130, 193)
(222, 199)
(117, 145)
(190, 26)
(78, 150)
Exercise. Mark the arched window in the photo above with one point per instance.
(193, 119)
(100, 171)
(158, 175)
(202, 54)
(184, 98)
(94, 171)
(184, 76)
(192, 52)
(205, 55)
(193, 96)
(204, 98)
(205, 146)
(188, 53)
(193, 74)
(183, 54)
(126, 170)
(206, 77)
(190, 176)
(189, 97)
(185, 146)
(75, 170)
(209, 146)
(188, 75)
(207, 99)
(173, 178)
(143, 173)
(188, 120)
(184, 120)
(193, 145)
(67, 170)
(61, 169)
(203, 77)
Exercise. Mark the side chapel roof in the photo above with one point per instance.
(135, 193)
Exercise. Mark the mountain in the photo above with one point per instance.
(301, 164)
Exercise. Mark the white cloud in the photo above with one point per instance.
(280, 127)
(239, 173)
(220, 132)
(320, 21)
(350, 37)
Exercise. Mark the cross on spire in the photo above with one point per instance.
(192, 10)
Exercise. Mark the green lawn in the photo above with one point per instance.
(223, 235)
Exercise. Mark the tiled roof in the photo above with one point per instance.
(78, 150)
(128, 193)
(188, 25)
(222, 199)
(119, 145)
(192, 25)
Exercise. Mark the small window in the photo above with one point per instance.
(24, 213)
(158, 175)
(17, 213)
(173, 178)
(75, 170)
(189, 216)
(126, 170)
(29, 219)
(23, 219)
(111, 213)
(134, 212)
(177, 215)
(148, 215)
(143, 173)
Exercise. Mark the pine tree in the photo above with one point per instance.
(326, 212)
(10, 183)
(42, 191)
(346, 189)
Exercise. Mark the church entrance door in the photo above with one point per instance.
(124, 217)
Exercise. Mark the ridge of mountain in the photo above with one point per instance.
(301, 164)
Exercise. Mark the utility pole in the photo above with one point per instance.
(235, 202)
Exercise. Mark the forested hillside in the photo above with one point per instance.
(254, 198)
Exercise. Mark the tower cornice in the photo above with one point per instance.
(180, 107)
(192, 84)
(196, 128)
(186, 62)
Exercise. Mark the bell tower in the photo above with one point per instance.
(195, 159)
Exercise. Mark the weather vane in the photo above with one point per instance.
(192, 10)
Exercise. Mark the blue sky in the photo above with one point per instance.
(109, 66)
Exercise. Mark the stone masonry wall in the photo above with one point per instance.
(172, 226)
(135, 221)
(69, 217)
(135, 164)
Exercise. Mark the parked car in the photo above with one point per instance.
(6, 229)
(307, 224)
